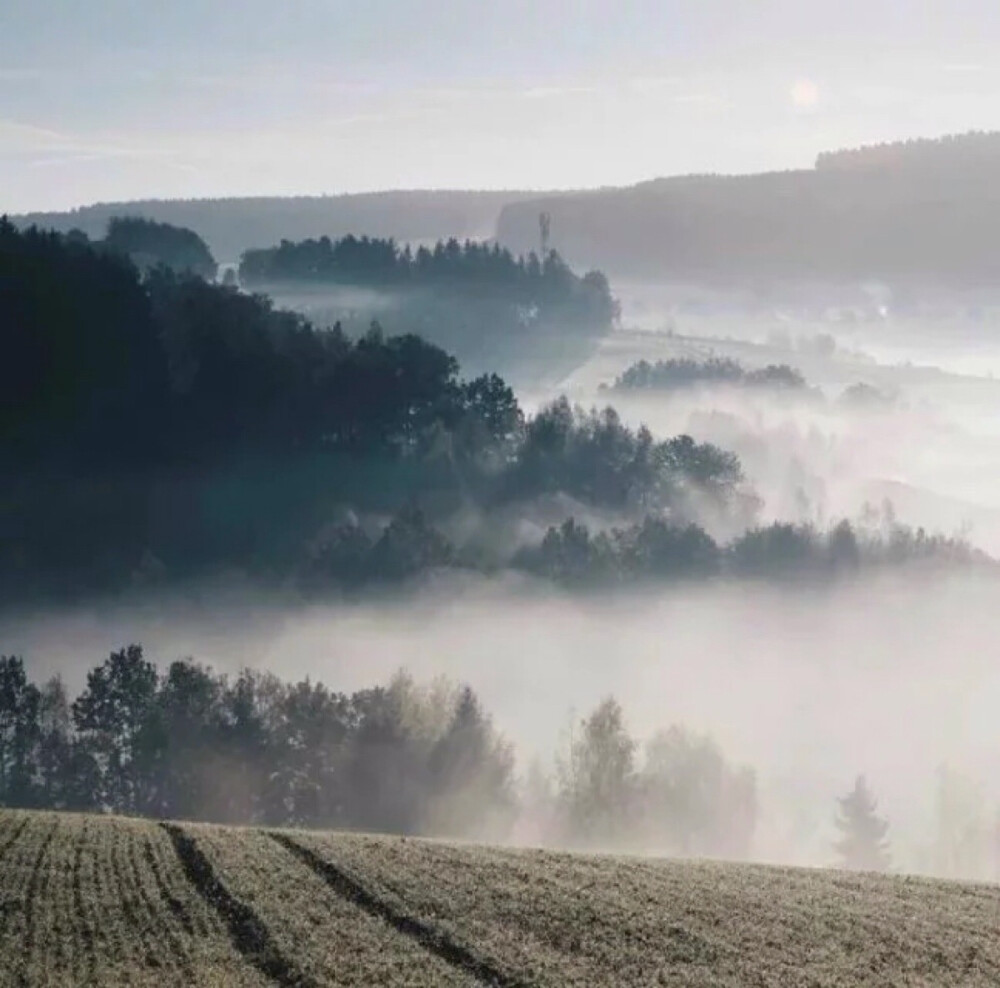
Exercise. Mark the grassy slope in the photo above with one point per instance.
(108, 901)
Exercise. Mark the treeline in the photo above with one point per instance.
(188, 743)
(185, 742)
(679, 373)
(470, 297)
(676, 794)
(469, 266)
(682, 372)
(975, 151)
(348, 556)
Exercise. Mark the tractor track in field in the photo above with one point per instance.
(177, 908)
(247, 931)
(82, 912)
(8, 906)
(434, 941)
(10, 841)
(150, 900)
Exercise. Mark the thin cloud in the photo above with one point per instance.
(317, 81)
(20, 75)
(361, 118)
(653, 83)
(701, 99)
(549, 92)
(41, 147)
(72, 158)
(964, 67)
(28, 134)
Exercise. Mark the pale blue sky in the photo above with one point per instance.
(119, 99)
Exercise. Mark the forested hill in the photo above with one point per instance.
(231, 225)
(162, 421)
(920, 212)
(158, 427)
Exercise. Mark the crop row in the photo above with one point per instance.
(562, 919)
(330, 940)
(96, 901)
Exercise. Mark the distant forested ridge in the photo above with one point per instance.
(231, 225)
(966, 154)
(918, 214)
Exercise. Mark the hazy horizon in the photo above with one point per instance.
(111, 102)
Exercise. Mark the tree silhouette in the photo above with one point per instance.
(149, 243)
(693, 801)
(19, 700)
(112, 716)
(862, 845)
(598, 779)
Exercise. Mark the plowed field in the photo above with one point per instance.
(104, 901)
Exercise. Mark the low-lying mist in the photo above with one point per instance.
(892, 676)
(862, 436)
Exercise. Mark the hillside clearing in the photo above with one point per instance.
(103, 900)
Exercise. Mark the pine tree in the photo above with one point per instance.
(862, 845)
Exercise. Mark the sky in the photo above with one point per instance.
(122, 99)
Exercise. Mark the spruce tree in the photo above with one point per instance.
(862, 845)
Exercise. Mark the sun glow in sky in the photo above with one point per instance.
(805, 93)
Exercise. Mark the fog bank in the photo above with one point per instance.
(891, 676)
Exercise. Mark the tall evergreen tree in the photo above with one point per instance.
(19, 701)
(862, 845)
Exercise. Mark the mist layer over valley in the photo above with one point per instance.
(438, 538)
(892, 676)
(768, 571)
(877, 425)
(500, 495)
